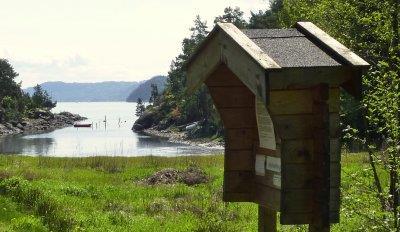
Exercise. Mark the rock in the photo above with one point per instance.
(137, 127)
(145, 121)
(8, 125)
(20, 126)
(44, 114)
(192, 126)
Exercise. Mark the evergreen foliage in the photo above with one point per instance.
(41, 98)
(139, 107)
(154, 94)
(14, 103)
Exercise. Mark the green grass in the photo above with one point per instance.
(104, 194)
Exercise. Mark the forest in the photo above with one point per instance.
(14, 102)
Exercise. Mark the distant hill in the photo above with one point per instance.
(143, 91)
(89, 92)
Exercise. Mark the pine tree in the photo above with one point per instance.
(154, 94)
(140, 107)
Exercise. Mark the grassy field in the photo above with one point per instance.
(105, 194)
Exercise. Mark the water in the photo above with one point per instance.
(112, 139)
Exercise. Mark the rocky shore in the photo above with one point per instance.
(181, 137)
(40, 121)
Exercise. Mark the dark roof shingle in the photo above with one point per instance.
(290, 48)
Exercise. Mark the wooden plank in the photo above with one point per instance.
(298, 101)
(240, 139)
(223, 49)
(242, 160)
(301, 200)
(223, 77)
(334, 125)
(321, 168)
(268, 197)
(238, 181)
(332, 45)
(268, 179)
(335, 148)
(232, 97)
(301, 126)
(249, 46)
(334, 100)
(305, 218)
(274, 153)
(301, 175)
(238, 117)
(301, 78)
(266, 219)
(301, 150)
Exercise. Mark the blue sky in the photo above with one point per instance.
(98, 40)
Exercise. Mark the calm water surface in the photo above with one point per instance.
(114, 138)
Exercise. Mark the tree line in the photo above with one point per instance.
(15, 104)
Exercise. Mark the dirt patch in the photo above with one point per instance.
(192, 175)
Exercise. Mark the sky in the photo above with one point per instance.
(101, 40)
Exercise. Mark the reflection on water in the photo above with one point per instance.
(18, 145)
(111, 138)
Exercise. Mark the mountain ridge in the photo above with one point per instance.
(107, 91)
(143, 91)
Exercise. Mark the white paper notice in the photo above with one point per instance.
(266, 132)
(273, 164)
(276, 180)
(260, 165)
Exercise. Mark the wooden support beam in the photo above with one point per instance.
(320, 203)
(266, 219)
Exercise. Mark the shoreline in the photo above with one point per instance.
(42, 122)
(180, 137)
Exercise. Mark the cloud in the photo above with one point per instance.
(98, 40)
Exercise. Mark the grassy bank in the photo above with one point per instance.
(105, 194)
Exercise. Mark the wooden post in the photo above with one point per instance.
(266, 219)
(320, 220)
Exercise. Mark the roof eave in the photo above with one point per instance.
(240, 39)
(331, 45)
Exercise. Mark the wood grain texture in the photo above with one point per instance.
(240, 139)
(302, 150)
(301, 126)
(241, 160)
(268, 197)
(266, 219)
(232, 97)
(234, 118)
(299, 101)
(238, 181)
(303, 78)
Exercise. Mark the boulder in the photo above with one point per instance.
(145, 121)
(43, 114)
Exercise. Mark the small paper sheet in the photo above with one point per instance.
(273, 164)
(260, 165)
(266, 132)
(276, 180)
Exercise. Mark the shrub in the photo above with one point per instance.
(39, 202)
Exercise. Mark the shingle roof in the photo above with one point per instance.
(290, 48)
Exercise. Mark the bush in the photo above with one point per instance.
(39, 202)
